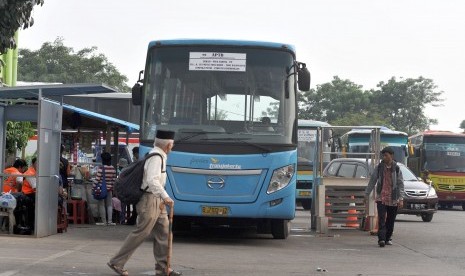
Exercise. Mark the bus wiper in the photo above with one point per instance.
(185, 138)
(447, 169)
(242, 140)
(195, 134)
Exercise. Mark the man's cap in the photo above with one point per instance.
(165, 134)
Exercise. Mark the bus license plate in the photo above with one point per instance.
(305, 193)
(214, 211)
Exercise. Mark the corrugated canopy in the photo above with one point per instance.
(27, 92)
(97, 121)
(71, 114)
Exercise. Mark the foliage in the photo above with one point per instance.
(395, 104)
(403, 102)
(220, 115)
(334, 101)
(14, 14)
(361, 119)
(272, 111)
(17, 135)
(55, 62)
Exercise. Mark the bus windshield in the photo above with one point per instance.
(445, 157)
(306, 146)
(219, 94)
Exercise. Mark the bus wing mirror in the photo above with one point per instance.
(303, 77)
(137, 94)
(411, 150)
(137, 90)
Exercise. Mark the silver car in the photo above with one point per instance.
(421, 198)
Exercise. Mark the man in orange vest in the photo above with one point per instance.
(29, 189)
(29, 183)
(13, 183)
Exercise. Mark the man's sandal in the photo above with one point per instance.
(117, 269)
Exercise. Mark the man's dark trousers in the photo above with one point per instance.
(386, 218)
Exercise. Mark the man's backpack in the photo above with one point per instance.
(128, 184)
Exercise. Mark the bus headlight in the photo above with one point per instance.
(281, 178)
(431, 192)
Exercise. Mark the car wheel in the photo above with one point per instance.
(280, 228)
(307, 204)
(427, 217)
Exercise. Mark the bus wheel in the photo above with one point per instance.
(307, 204)
(450, 205)
(280, 228)
(463, 206)
(427, 217)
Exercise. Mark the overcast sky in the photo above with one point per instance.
(363, 41)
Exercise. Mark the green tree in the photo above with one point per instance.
(361, 119)
(335, 101)
(403, 102)
(14, 14)
(220, 115)
(55, 62)
(17, 135)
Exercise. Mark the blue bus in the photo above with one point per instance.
(306, 150)
(233, 106)
(358, 140)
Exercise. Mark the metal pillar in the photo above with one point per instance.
(2, 137)
(48, 145)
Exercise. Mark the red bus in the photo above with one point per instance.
(442, 155)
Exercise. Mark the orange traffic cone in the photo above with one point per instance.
(352, 220)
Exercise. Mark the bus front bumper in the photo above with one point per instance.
(271, 208)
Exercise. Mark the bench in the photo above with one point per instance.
(8, 213)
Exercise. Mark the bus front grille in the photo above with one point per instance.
(451, 187)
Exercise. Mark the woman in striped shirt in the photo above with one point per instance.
(110, 176)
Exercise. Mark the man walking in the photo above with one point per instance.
(389, 193)
(152, 216)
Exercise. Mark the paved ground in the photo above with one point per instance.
(85, 249)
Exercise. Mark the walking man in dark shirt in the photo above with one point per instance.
(389, 183)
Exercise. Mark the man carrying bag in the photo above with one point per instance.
(152, 215)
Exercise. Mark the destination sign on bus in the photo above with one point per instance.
(209, 61)
(306, 135)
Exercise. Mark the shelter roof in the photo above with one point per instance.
(97, 120)
(27, 92)
(73, 117)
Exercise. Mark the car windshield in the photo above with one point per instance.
(407, 174)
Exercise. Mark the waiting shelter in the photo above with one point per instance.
(31, 103)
